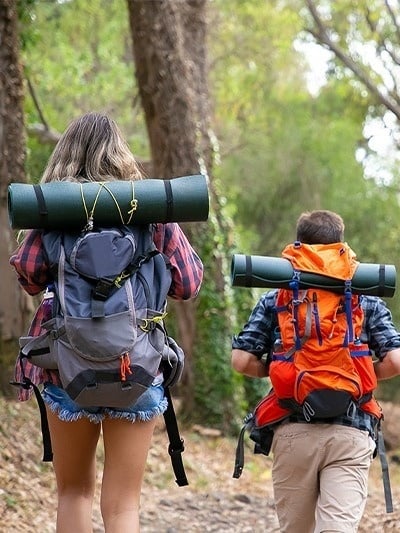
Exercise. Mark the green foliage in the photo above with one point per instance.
(294, 151)
(25, 9)
(363, 38)
(78, 58)
(36, 158)
(215, 383)
(389, 391)
(222, 396)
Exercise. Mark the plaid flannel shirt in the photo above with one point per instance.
(34, 276)
(259, 334)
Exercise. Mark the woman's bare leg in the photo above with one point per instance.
(74, 448)
(126, 446)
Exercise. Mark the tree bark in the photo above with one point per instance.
(169, 45)
(14, 306)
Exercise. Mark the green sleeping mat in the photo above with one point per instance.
(274, 272)
(67, 205)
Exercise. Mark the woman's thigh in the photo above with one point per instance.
(126, 447)
(74, 452)
(127, 435)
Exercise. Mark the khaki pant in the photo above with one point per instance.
(320, 477)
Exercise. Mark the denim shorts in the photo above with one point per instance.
(150, 404)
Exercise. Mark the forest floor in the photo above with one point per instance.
(213, 501)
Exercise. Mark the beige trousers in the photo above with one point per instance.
(320, 477)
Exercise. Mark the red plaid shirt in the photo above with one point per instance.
(34, 276)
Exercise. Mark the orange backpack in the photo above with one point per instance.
(320, 368)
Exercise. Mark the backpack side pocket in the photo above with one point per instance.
(38, 351)
(173, 359)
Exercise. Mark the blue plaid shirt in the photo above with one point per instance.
(259, 334)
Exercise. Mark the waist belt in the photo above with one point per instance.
(365, 422)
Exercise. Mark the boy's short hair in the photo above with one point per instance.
(320, 227)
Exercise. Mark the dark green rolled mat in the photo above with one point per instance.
(66, 205)
(275, 272)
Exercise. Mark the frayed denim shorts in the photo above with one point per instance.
(150, 404)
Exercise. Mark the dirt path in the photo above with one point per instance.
(213, 501)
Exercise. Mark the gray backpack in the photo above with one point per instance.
(106, 335)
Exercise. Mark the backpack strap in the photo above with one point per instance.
(294, 286)
(104, 286)
(176, 443)
(42, 207)
(248, 424)
(316, 318)
(47, 450)
(296, 301)
(169, 215)
(349, 312)
(380, 444)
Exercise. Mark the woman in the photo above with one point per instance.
(93, 149)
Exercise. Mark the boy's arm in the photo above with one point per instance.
(388, 366)
(248, 364)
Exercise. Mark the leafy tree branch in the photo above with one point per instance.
(323, 34)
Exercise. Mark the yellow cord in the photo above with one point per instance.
(84, 202)
(133, 204)
(145, 326)
(20, 236)
(102, 185)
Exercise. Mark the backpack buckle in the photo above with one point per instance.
(102, 289)
(177, 450)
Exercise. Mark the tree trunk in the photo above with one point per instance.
(14, 306)
(169, 44)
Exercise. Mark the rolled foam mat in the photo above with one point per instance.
(275, 272)
(66, 205)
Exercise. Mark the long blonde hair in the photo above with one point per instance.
(92, 148)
